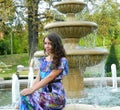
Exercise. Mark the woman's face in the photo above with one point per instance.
(47, 46)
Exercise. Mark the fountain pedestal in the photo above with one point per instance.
(74, 85)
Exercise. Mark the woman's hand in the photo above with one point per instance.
(26, 91)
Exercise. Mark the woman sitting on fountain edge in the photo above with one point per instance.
(47, 91)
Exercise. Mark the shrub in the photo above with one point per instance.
(4, 47)
(111, 59)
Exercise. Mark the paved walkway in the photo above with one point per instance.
(88, 107)
(83, 107)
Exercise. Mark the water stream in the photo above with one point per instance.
(15, 89)
(114, 78)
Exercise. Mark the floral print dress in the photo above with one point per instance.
(51, 96)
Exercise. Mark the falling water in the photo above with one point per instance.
(90, 40)
(114, 78)
(30, 77)
(15, 89)
(34, 66)
(103, 82)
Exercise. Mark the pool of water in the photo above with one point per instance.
(5, 98)
(102, 96)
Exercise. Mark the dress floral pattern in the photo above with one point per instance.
(50, 97)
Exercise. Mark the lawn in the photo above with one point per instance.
(8, 64)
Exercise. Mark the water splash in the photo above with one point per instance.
(114, 78)
(15, 89)
(30, 77)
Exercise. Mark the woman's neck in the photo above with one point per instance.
(49, 57)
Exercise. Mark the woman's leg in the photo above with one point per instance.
(42, 101)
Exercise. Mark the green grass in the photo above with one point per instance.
(13, 60)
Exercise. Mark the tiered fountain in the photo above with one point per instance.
(71, 32)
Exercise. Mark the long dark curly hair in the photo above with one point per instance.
(57, 48)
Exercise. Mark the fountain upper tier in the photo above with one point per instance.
(71, 28)
(74, 29)
(70, 6)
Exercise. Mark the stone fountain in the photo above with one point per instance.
(71, 31)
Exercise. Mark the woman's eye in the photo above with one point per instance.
(49, 43)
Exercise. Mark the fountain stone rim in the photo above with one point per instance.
(69, 2)
(69, 24)
(79, 52)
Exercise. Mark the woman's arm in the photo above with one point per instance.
(27, 91)
(37, 79)
(46, 80)
(42, 82)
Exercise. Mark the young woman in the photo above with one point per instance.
(47, 91)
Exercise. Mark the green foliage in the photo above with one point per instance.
(4, 47)
(20, 42)
(7, 10)
(109, 74)
(118, 51)
(40, 39)
(112, 59)
(7, 78)
(15, 41)
(107, 17)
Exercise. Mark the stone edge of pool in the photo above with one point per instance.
(89, 82)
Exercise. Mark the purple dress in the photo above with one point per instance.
(51, 96)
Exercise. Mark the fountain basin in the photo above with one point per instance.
(78, 51)
(83, 57)
(88, 82)
(69, 6)
(74, 29)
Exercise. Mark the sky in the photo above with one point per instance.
(118, 1)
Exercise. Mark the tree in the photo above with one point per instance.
(112, 59)
(7, 10)
(32, 26)
(36, 22)
(106, 15)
